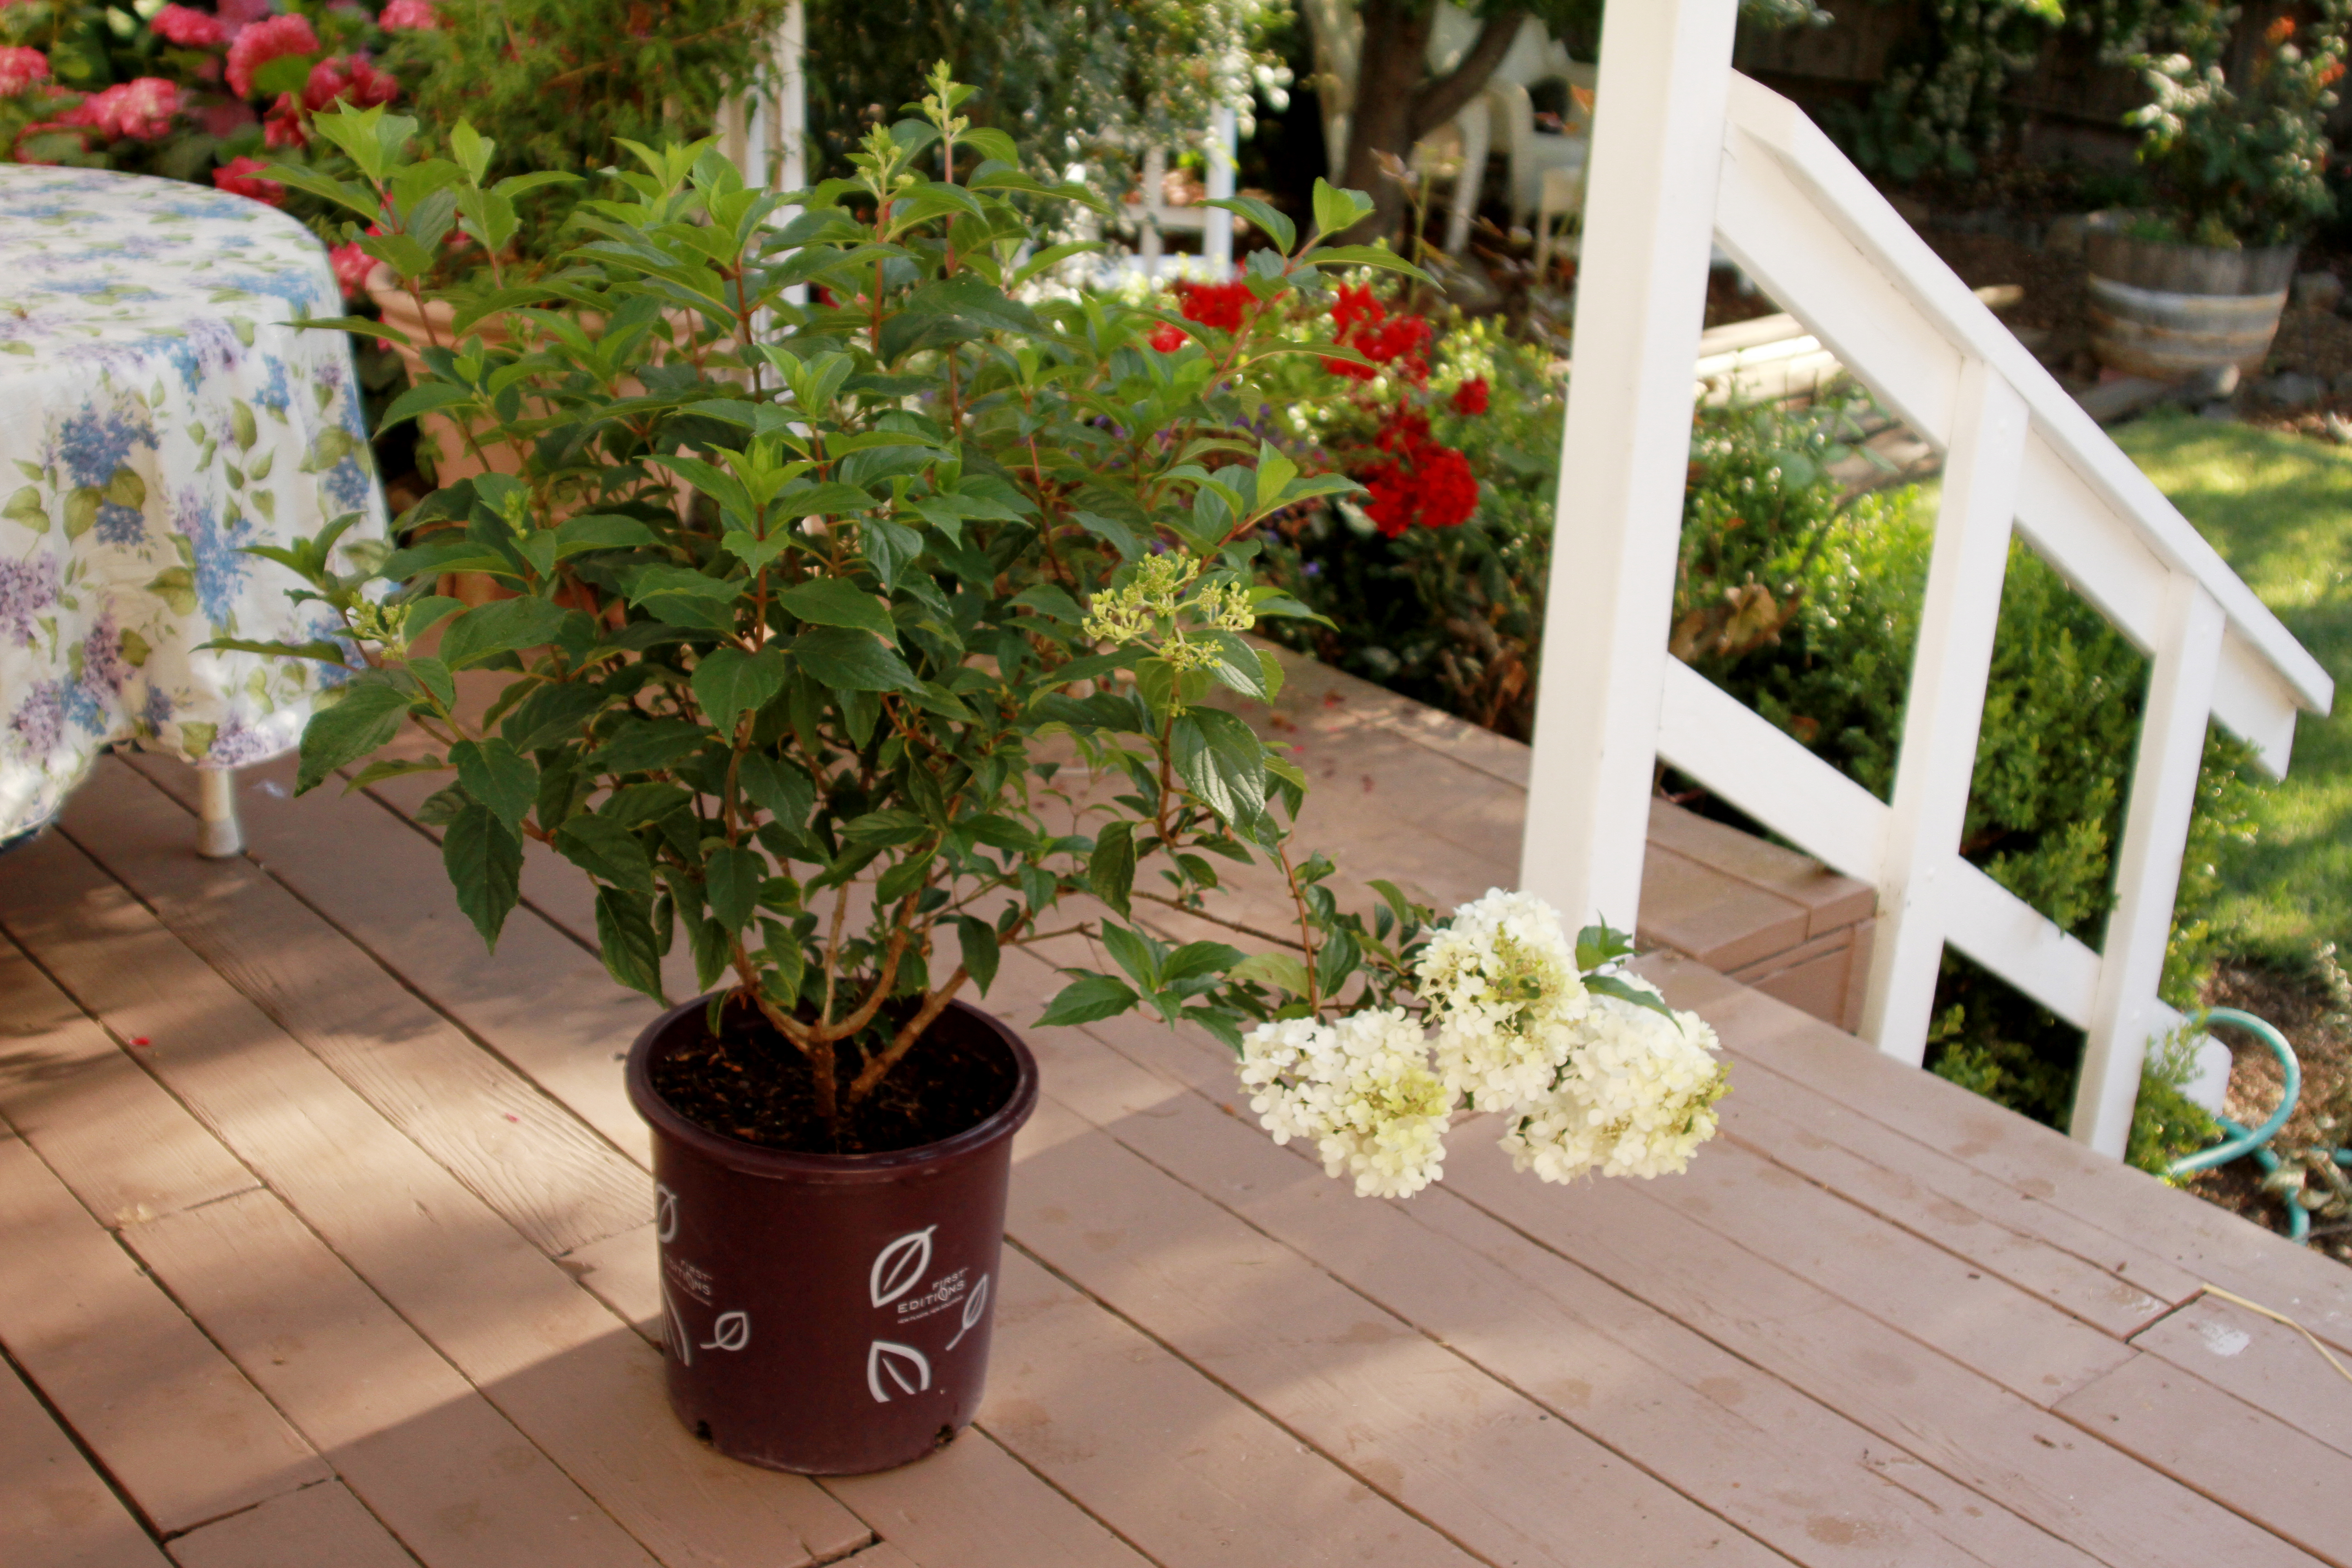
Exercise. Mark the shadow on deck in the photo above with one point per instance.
(327, 1243)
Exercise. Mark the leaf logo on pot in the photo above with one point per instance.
(901, 1361)
(665, 1213)
(974, 1306)
(732, 1331)
(899, 1266)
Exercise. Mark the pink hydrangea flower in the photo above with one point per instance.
(409, 15)
(191, 29)
(351, 266)
(350, 79)
(141, 110)
(263, 42)
(237, 177)
(20, 68)
(287, 124)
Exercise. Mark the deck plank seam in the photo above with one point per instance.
(1361, 1294)
(980, 1423)
(1502, 1380)
(1894, 1222)
(2184, 1477)
(335, 1479)
(381, 963)
(1306, 1445)
(1751, 1064)
(10, 1365)
(295, 1212)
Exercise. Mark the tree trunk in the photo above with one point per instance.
(1395, 108)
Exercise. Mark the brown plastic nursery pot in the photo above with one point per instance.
(828, 1314)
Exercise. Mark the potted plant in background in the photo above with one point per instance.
(916, 670)
(2197, 284)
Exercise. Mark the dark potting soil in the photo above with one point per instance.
(748, 1082)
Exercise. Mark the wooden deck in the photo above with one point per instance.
(325, 1243)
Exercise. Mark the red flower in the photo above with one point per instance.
(191, 29)
(286, 124)
(1421, 484)
(351, 266)
(1470, 397)
(141, 109)
(409, 15)
(2332, 74)
(1168, 337)
(1363, 323)
(20, 68)
(2280, 31)
(1225, 306)
(348, 78)
(262, 42)
(1356, 308)
(237, 177)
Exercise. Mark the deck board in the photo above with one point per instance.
(55, 1509)
(1882, 1322)
(121, 1362)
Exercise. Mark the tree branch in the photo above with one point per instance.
(1435, 102)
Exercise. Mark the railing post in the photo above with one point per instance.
(1658, 149)
(1217, 223)
(2148, 863)
(1945, 710)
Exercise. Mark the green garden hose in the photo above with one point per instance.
(2256, 1141)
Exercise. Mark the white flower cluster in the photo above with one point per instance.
(1637, 1097)
(1361, 1089)
(1588, 1081)
(1502, 986)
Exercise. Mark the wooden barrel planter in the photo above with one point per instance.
(2169, 311)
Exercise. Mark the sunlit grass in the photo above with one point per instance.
(2278, 509)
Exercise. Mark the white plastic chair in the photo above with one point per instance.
(1532, 151)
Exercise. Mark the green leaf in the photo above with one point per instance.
(780, 789)
(500, 778)
(831, 602)
(607, 851)
(712, 945)
(500, 626)
(1336, 210)
(1086, 999)
(1282, 971)
(848, 660)
(625, 936)
(731, 878)
(1221, 762)
(642, 745)
(1272, 223)
(364, 719)
(1198, 958)
(730, 682)
(1367, 255)
(1136, 954)
(551, 715)
(979, 950)
(602, 530)
(426, 398)
(1110, 871)
(484, 860)
(1600, 944)
(1611, 986)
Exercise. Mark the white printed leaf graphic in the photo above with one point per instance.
(975, 1307)
(732, 1331)
(899, 1266)
(665, 1213)
(908, 1367)
(674, 1334)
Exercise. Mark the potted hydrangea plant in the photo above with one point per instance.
(854, 644)
(2197, 284)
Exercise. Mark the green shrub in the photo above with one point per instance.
(2166, 1123)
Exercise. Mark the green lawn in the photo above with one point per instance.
(2279, 509)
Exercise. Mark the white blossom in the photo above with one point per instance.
(1361, 1089)
(1636, 1099)
(1502, 987)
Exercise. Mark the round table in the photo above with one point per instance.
(158, 416)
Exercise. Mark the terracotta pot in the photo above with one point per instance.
(2169, 311)
(828, 1314)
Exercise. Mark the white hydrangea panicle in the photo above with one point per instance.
(1361, 1089)
(1387, 1125)
(1503, 989)
(1636, 1097)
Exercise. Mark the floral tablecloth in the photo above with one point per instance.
(157, 414)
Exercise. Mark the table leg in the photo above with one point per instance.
(219, 834)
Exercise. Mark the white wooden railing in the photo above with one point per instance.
(1688, 154)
